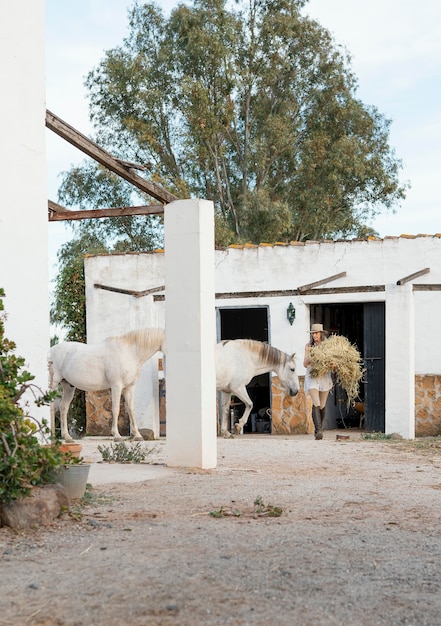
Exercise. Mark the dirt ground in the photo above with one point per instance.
(358, 542)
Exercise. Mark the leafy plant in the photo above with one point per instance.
(375, 437)
(24, 462)
(260, 510)
(122, 452)
(268, 510)
(223, 512)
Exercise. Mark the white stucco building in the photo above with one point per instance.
(24, 272)
(383, 294)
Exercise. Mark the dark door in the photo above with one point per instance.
(243, 323)
(249, 323)
(374, 377)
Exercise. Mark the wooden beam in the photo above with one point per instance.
(135, 166)
(292, 292)
(322, 282)
(406, 279)
(83, 143)
(130, 292)
(327, 291)
(434, 287)
(56, 208)
(58, 213)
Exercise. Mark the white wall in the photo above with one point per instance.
(417, 333)
(111, 313)
(23, 213)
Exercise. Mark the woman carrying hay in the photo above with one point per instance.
(318, 387)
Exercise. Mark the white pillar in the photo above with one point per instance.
(400, 360)
(190, 334)
(24, 271)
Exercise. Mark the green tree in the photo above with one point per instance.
(87, 186)
(253, 106)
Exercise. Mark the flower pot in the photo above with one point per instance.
(74, 479)
(73, 448)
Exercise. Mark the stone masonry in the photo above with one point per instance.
(427, 405)
(290, 415)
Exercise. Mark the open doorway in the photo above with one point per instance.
(363, 324)
(249, 323)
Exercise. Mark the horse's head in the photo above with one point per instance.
(288, 375)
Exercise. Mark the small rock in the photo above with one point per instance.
(396, 436)
(147, 434)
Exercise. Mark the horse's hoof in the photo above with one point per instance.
(138, 438)
(118, 439)
(227, 435)
(68, 439)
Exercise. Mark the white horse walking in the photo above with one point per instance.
(114, 364)
(237, 362)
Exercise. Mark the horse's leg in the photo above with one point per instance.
(128, 395)
(225, 409)
(116, 391)
(66, 399)
(242, 394)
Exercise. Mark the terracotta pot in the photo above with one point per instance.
(73, 448)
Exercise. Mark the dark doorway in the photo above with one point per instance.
(364, 326)
(374, 362)
(249, 323)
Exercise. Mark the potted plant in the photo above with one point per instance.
(71, 448)
(73, 473)
(24, 462)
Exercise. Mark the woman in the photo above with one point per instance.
(318, 388)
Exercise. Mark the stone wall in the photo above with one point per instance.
(291, 415)
(427, 405)
(99, 415)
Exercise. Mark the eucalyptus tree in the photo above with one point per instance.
(252, 105)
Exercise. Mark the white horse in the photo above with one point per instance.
(114, 364)
(237, 362)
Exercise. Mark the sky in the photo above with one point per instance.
(395, 47)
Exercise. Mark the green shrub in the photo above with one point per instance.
(24, 462)
(124, 453)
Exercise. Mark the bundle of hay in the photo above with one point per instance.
(340, 356)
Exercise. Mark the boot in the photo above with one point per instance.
(316, 418)
(322, 415)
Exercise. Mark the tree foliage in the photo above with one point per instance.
(253, 106)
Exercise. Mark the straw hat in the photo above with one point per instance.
(317, 328)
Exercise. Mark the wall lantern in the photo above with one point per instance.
(291, 313)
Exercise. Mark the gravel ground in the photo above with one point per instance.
(358, 541)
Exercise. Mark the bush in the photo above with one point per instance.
(123, 453)
(24, 462)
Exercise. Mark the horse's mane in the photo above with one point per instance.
(267, 354)
(143, 337)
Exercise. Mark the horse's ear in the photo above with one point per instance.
(293, 355)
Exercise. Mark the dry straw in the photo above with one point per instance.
(338, 354)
